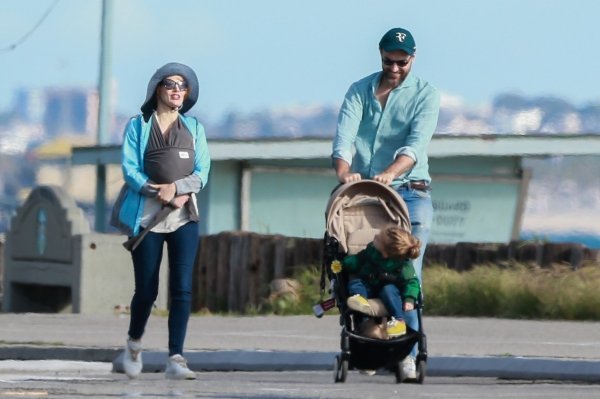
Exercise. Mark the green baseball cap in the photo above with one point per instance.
(398, 39)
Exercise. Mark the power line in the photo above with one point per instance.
(37, 25)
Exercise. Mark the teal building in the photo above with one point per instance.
(281, 186)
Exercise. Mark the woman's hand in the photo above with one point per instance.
(180, 200)
(408, 306)
(166, 192)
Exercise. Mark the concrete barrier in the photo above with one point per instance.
(53, 263)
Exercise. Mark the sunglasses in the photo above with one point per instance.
(171, 84)
(400, 63)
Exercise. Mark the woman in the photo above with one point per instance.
(165, 162)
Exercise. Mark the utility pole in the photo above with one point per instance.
(104, 97)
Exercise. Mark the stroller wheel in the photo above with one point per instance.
(340, 369)
(345, 341)
(421, 371)
(399, 373)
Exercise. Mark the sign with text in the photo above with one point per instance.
(476, 210)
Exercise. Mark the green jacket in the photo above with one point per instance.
(375, 270)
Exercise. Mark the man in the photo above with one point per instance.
(388, 119)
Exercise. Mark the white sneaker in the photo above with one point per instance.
(408, 368)
(132, 358)
(368, 372)
(177, 369)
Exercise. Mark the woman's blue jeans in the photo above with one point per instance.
(182, 245)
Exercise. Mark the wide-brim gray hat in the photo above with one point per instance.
(170, 69)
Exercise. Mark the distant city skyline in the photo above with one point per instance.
(269, 54)
(68, 111)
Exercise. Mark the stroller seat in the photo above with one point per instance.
(355, 214)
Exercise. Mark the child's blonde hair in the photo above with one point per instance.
(399, 243)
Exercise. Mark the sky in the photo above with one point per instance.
(250, 55)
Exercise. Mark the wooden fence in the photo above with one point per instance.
(234, 269)
(464, 255)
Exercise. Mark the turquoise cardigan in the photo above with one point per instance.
(129, 206)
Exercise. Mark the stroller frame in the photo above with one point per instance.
(358, 351)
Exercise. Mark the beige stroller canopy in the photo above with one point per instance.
(357, 211)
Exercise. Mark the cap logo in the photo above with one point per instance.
(401, 36)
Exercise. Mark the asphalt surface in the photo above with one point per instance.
(479, 347)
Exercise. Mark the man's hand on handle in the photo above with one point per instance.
(349, 177)
(384, 178)
(401, 165)
(344, 174)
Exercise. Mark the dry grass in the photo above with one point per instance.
(308, 278)
(514, 292)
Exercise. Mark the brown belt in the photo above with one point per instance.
(418, 185)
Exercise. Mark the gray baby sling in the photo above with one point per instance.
(165, 161)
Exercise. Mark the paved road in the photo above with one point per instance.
(94, 383)
(457, 346)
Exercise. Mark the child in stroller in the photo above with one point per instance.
(355, 215)
(383, 270)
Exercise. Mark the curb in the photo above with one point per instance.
(506, 367)
(154, 362)
(515, 368)
(34, 352)
(443, 366)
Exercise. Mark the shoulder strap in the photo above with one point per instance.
(191, 123)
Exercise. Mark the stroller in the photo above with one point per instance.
(355, 213)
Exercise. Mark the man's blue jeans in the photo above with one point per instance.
(182, 245)
(420, 210)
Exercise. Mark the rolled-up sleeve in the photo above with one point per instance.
(189, 184)
(423, 125)
(347, 126)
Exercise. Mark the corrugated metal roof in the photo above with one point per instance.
(318, 148)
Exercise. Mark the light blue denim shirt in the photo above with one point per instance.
(369, 138)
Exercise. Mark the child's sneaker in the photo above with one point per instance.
(395, 328)
(359, 303)
(177, 369)
(132, 358)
